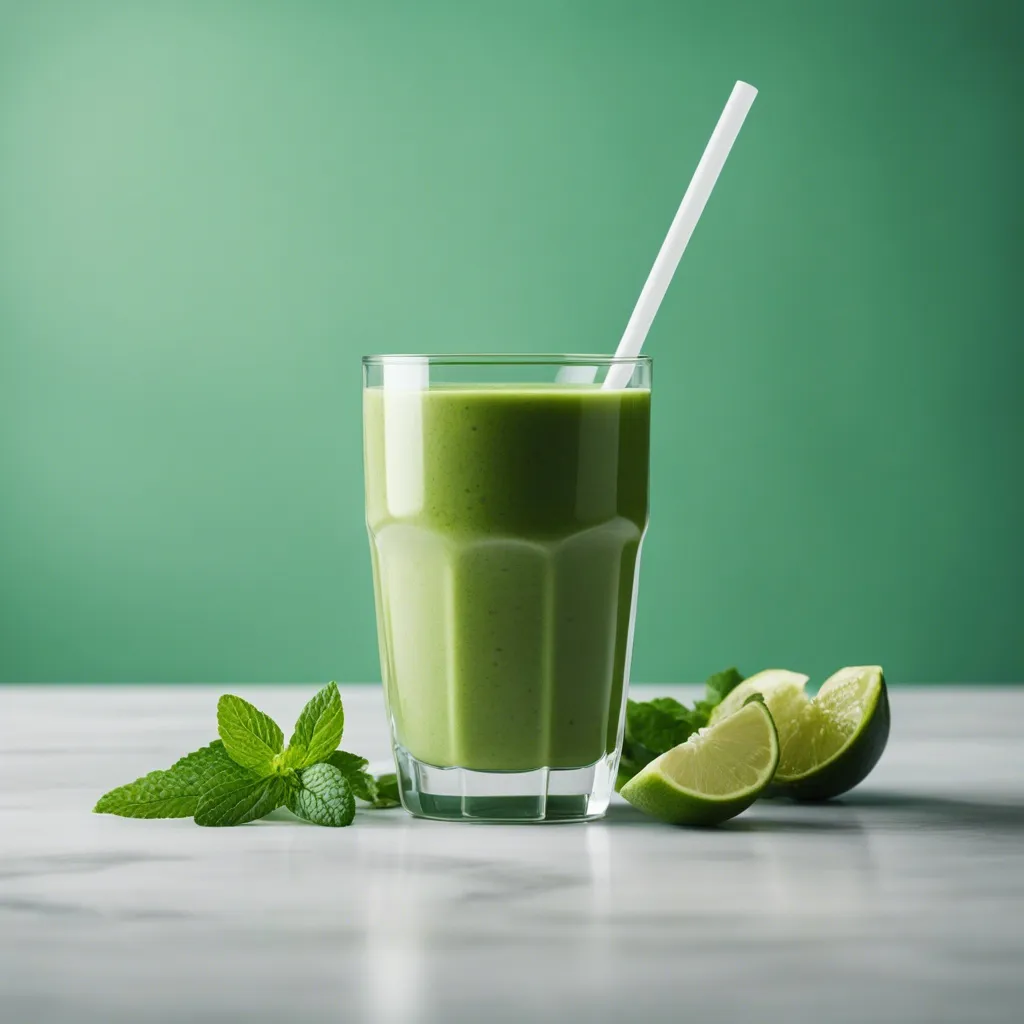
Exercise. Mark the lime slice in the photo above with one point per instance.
(717, 773)
(783, 690)
(829, 743)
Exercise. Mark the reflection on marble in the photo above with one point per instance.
(903, 902)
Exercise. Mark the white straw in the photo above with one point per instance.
(690, 209)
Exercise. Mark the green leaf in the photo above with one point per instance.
(250, 737)
(702, 710)
(233, 801)
(655, 727)
(667, 704)
(345, 762)
(173, 793)
(387, 791)
(720, 685)
(318, 730)
(693, 719)
(363, 785)
(324, 797)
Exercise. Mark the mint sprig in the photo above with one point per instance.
(655, 726)
(249, 772)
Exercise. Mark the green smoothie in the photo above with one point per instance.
(505, 529)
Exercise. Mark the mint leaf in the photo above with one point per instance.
(173, 793)
(348, 763)
(363, 786)
(668, 704)
(657, 726)
(720, 685)
(318, 730)
(234, 801)
(681, 714)
(387, 791)
(380, 793)
(250, 737)
(352, 767)
(323, 797)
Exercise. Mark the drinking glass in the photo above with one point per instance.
(506, 503)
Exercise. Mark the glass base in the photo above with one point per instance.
(541, 795)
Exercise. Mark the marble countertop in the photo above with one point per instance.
(904, 902)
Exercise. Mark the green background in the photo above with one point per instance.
(210, 210)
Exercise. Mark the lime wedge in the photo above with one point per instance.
(717, 773)
(829, 743)
(783, 691)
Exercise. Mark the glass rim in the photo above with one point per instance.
(506, 359)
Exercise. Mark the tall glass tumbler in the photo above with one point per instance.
(506, 501)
